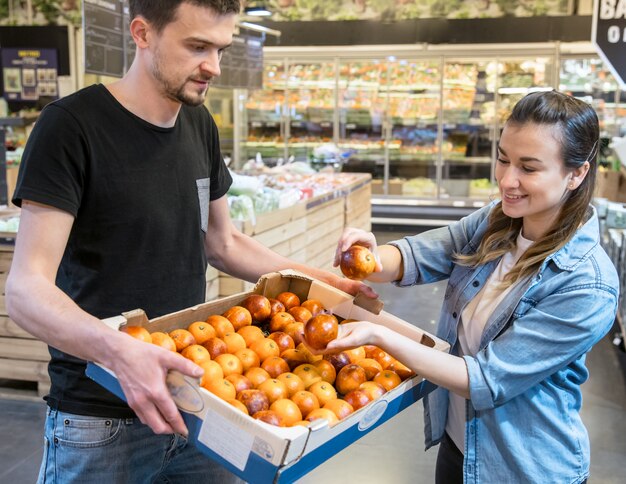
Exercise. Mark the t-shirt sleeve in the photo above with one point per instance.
(221, 179)
(52, 170)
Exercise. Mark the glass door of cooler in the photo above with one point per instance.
(264, 118)
(220, 104)
(414, 99)
(589, 79)
(469, 104)
(518, 77)
(310, 107)
(362, 108)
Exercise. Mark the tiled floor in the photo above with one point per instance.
(393, 453)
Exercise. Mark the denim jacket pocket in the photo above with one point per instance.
(204, 193)
(86, 432)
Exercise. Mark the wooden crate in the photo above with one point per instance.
(22, 356)
(308, 232)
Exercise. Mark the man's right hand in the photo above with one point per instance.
(141, 368)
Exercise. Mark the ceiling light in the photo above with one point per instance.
(257, 9)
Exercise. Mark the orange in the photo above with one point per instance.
(238, 317)
(288, 410)
(240, 382)
(280, 320)
(300, 314)
(339, 407)
(401, 369)
(257, 376)
(196, 353)
(164, 340)
(230, 364)
(373, 389)
(270, 417)
(251, 334)
(302, 423)
(138, 332)
(215, 346)
(274, 389)
(314, 306)
(265, 348)
(296, 331)
(322, 413)
(289, 299)
(182, 338)
(355, 354)
(234, 342)
(385, 359)
(221, 325)
(292, 381)
(371, 367)
(310, 357)
(201, 331)
(294, 358)
(308, 374)
(249, 359)
(327, 370)
(221, 388)
(275, 365)
(388, 379)
(283, 340)
(324, 392)
(237, 404)
(212, 371)
(306, 401)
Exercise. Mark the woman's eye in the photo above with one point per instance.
(504, 162)
(528, 170)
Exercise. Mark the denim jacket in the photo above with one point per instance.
(523, 423)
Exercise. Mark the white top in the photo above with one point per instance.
(471, 326)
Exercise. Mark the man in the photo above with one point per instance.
(122, 190)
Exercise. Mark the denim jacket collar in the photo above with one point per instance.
(578, 247)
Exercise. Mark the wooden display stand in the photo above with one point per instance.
(308, 231)
(22, 357)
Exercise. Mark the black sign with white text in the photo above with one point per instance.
(609, 35)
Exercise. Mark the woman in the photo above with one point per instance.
(530, 291)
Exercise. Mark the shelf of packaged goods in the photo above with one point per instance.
(308, 232)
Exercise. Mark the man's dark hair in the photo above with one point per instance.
(161, 12)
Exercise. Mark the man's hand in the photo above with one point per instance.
(141, 369)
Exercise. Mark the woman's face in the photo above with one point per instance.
(531, 176)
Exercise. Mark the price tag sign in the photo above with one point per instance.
(608, 34)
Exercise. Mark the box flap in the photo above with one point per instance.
(374, 306)
(136, 317)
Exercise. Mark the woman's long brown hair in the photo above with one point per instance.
(578, 132)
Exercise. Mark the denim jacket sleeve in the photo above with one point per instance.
(546, 335)
(427, 257)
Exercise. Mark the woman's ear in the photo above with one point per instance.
(578, 176)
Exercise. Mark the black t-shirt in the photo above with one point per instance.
(140, 197)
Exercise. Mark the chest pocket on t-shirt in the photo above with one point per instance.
(204, 192)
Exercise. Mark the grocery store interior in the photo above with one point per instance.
(380, 115)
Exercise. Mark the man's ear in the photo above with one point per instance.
(139, 30)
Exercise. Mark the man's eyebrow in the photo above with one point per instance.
(201, 40)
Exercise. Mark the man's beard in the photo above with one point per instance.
(175, 93)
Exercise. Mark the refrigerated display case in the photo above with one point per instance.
(588, 78)
(423, 120)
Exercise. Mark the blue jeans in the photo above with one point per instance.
(80, 449)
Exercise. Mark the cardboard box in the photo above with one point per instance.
(254, 450)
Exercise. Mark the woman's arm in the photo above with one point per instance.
(440, 368)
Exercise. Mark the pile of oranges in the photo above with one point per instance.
(254, 358)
